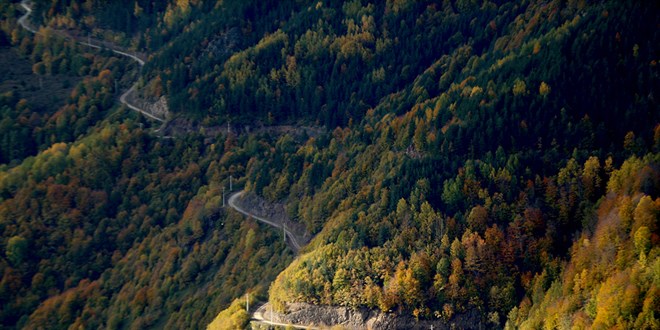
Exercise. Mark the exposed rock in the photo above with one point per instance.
(328, 316)
(274, 212)
(157, 107)
(223, 44)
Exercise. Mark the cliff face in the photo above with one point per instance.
(328, 316)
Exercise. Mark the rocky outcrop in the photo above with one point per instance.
(329, 316)
(223, 44)
(157, 107)
(274, 212)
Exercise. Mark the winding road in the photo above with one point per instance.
(295, 246)
(28, 11)
(122, 99)
(258, 315)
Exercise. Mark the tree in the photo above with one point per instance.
(519, 87)
(466, 6)
(544, 89)
(591, 177)
(137, 10)
(478, 219)
(234, 317)
(629, 142)
(646, 214)
(643, 242)
(455, 279)
(39, 68)
(16, 250)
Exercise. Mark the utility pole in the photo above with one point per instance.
(247, 302)
(231, 186)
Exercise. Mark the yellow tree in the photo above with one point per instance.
(590, 177)
(544, 89)
(519, 87)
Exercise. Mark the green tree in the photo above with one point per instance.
(16, 250)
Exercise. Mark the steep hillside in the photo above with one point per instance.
(612, 279)
(471, 163)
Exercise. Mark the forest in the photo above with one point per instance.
(483, 157)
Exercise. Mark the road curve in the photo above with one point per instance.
(258, 316)
(232, 203)
(23, 18)
(23, 22)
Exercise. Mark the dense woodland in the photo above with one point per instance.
(487, 157)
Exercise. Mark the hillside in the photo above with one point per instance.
(611, 279)
(455, 163)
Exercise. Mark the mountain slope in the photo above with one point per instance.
(476, 160)
(613, 275)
